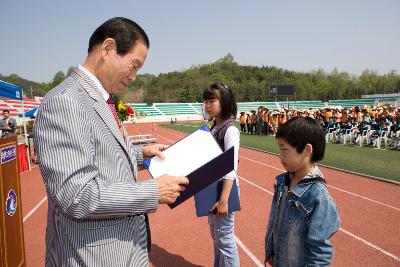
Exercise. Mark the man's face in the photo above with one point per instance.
(6, 114)
(120, 71)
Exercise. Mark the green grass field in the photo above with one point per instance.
(375, 162)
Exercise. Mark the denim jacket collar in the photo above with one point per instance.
(299, 189)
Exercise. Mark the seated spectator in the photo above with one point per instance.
(358, 114)
(330, 124)
(374, 125)
(382, 129)
(345, 116)
(346, 128)
(360, 130)
(366, 117)
(321, 122)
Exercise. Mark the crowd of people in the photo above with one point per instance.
(341, 125)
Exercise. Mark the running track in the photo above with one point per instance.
(369, 210)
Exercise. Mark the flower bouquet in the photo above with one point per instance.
(124, 111)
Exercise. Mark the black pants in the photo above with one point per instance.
(249, 129)
(243, 128)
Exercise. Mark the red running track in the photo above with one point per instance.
(369, 210)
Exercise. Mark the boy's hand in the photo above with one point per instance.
(220, 208)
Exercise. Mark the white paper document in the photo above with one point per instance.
(186, 155)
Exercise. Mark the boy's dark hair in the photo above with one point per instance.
(124, 31)
(300, 131)
(6, 111)
(224, 94)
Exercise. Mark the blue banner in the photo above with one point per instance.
(9, 90)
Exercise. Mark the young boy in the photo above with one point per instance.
(303, 215)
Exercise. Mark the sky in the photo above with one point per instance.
(40, 38)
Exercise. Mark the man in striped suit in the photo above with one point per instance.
(97, 209)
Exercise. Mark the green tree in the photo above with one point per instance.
(70, 70)
(58, 78)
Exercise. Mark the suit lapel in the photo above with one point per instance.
(100, 105)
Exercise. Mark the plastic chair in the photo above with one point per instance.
(364, 136)
(329, 135)
(382, 137)
(347, 136)
(397, 140)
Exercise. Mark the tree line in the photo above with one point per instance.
(249, 83)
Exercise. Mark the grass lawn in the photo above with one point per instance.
(365, 160)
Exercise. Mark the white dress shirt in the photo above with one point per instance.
(103, 92)
(232, 138)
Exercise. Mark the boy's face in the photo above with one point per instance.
(291, 160)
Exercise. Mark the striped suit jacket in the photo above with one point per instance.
(95, 203)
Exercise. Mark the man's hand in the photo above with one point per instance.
(154, 150)
(170, 188)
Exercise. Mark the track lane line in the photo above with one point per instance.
(248, 252)
(30, 213)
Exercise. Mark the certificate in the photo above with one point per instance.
(196, 156)
(186, 155)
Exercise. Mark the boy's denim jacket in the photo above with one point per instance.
(309, 219)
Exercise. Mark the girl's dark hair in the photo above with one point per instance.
(124, 31)
(226, 98)
(300, 131)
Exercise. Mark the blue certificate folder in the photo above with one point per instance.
(207, 174)
(207, 197)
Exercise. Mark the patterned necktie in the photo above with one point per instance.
(111, 104)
